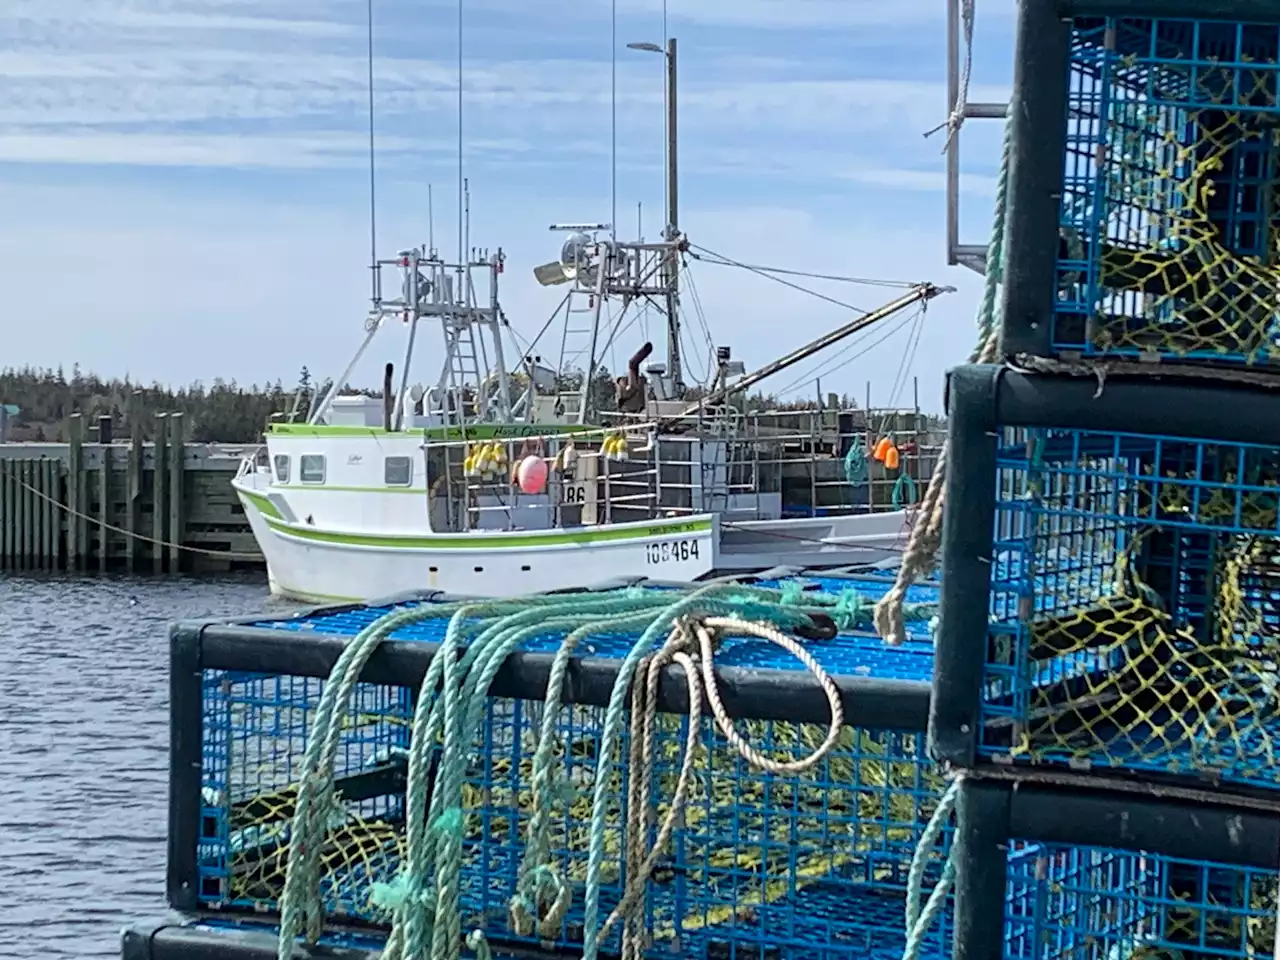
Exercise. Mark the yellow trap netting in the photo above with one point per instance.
(1118, 683)
(746, 839)
(1184, 226)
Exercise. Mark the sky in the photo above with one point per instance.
(184, 184)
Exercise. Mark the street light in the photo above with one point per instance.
(673, 221)
(672, 230)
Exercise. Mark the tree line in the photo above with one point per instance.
(223, 411)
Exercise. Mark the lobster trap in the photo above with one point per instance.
(1145, 152)
(1109, 585)
(1044, 874)
(811, 862)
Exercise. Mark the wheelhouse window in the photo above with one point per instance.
(281, 463)
(398, 471)
(311, 469)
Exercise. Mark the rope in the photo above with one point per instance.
(423, 899)
(856, 467)
(79, 515)
(904, 491)
(926, 535)
(644, 707)
(955, 120)
(920, 919)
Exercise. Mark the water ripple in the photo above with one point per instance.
(84, 743)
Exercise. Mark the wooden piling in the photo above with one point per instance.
(28, 516)
(133, 497)
(7, 519)
(159, 493)
(56, 515)
(104, 501)
(75, 487)
(177, 463)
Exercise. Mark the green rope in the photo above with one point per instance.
(301, 910)
(856, 467)
(424, 898)
(450, 710)
(989, 310)
(904, 491)
(920, 918)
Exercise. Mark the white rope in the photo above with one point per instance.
(706, 644)
(956, 119)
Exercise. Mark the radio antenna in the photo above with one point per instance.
(462, 253)
(376, 294)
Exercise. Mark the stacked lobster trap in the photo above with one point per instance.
(556, 776)
(1108, 658)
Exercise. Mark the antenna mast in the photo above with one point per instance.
(462, 251)
(375, 274)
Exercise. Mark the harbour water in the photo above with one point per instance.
(84, 752)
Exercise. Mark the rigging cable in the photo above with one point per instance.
(719, 259)
(786, 283)
(462, 253)
(373, 205)
(613, 121)
(826, 366)
(908, 356)
(692, 287)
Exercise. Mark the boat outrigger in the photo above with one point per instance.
(495, 483)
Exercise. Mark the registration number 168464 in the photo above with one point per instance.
(671, 551)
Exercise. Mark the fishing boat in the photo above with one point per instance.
(501, 479)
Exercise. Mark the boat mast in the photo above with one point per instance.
(671, 231)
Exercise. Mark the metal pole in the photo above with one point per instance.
(412, 312)
(953, 144)
(588, 376)
(673, 222)
(320, 410)
(500, 363)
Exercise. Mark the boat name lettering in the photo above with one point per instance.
(671, 551)
(675, 528)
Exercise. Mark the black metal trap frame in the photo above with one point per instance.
(1045, 873)
(774, 865)
(1143, 217)
(1110, 563)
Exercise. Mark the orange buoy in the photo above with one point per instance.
(882, 449)
(891, 458)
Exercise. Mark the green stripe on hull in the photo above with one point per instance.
(490, 541)
(265, 506)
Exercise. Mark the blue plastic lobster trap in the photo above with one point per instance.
(1045, 874)
(760, 864)
(1109, 582)
(1144, 218)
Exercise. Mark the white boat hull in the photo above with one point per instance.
(314, 565)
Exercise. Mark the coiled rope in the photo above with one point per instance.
(424, 898)
(926, 535)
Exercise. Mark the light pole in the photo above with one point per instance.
(672, 230)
